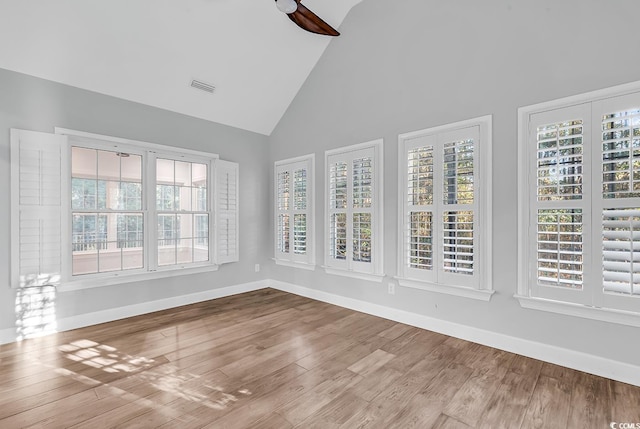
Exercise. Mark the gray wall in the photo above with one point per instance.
(415, 64)
(35, 104)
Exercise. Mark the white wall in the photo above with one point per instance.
(404, 66)
(35, 104)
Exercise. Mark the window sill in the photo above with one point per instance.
(466, 292)
(116, 279)
(578, 310)
(295, 264)
(354, 274)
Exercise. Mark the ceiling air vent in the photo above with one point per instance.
(206, 87)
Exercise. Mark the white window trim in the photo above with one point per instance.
(377, 233)
(153, 271)
(523, 294)
(484, 290)
(310, 263)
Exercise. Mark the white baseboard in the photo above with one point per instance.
(82, 320)
(608, 368)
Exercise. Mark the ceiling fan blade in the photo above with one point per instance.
(309, 21)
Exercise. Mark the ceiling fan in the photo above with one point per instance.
(304, 18)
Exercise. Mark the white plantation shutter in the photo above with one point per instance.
(338, 211)
(459, 202)
(36, 208)
(621, 251)
(620, 187)
(283, 190)
(617, 210)
(441, 201)
(353, 186)
(300, 213)
(293, 212)
(560, 199)
(227, 214)
(445, 202)
(583, 210)
(419, 236)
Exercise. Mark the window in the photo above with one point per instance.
(445, 201)
(579, 208)
(90, 210)
(354, 211)
(106, 211)
(181, 202)
(294, 212)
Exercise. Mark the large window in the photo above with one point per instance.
(445, 200)
(92, 210)
(182, 211)
(106, 210)
(580, 203)
(294, 212)
(354, 211)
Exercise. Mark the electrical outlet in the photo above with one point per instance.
(257, 268)
(392, 289)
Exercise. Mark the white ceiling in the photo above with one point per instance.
(148, 51)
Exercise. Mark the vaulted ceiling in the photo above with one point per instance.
(149, 51)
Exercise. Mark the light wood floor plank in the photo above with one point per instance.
(268, 359)
(549, 405)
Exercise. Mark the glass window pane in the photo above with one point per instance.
(133, 255)
(198, 175)
(131, 168)
(560, 248)
(83, 193)
(182, 173)
(130, 196)
(201, 250)
(166, 252)
(458, 242)
(362, 183)
(199, 199)
(185, 251)
(362, 237)
(458, 172)
(338, 185)
(84, 163)
(201, 243)
(300, 234)
(420, 175)
(165, 197)
(300, 189)
(283, 233)
(283, 190)
(183, 202)
(84, 263)
(559, 164)
(108, 165)
(421, 240)
(338, 236)
(165, 171)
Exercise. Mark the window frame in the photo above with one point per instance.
(373, 271)
(591, 302)
(308, 260)
(149, 152)
(479, 284)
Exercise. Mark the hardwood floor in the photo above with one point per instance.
(268, 359)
